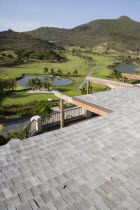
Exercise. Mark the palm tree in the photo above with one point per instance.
(52, 71)
(47, 85)
(75, 72)
(46, 70)
(83, 90)
(32, 83)
(59, 72)
(38, 83)
(68, 73)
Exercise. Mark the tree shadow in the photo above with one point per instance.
(63, 89)
(65, 60)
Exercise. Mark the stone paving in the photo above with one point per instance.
(93, 165)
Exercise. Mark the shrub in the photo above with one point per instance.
(2, 117)
(42, 108)
(13, 134)
(3, 140)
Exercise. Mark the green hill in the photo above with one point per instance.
(123, 32)
(10, 40)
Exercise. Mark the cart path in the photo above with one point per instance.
(89, 74)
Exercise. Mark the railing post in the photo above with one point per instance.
(88, 85)
(61, 113)
(87, 113)
(38, 124)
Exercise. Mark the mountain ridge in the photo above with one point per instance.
(122, 31)
(11, 40)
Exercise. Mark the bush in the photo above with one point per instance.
(42, 108)
(13, 134)
(2, 117)
(25, 112)
(3, 140)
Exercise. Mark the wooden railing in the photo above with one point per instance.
(36, 126)
(50, 118)
(55, 117)
(28, 131)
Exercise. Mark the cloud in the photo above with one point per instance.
(18, 25)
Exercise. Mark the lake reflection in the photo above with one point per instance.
(54, 80)
(130, 69)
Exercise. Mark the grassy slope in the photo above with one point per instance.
(38, 67)
(21, 97)
(102, 62)
(10, 40)
(122, 32)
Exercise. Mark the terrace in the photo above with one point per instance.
(90, 165)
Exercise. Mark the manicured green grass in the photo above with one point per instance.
(102, 73)
(71, 90)
(98, 87)
(72, 63)
(19, 87)
(19, 96)
(102, 62)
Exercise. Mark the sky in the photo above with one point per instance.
(26, 15)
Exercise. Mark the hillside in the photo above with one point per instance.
(123, 31)
(10, 40)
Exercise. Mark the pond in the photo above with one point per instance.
(127, 68)
(56, 81)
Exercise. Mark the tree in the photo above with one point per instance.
(59, 72)
(19, 53)
(68, 73)
(75, 72)
(11, 83)
(46, 70)
(10, 56)
(83, 89)
(32, 83)
(38, 83)
(116, 74)
(52, 72)
(6, 85)
(47, 85)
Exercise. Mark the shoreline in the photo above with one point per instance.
(42, 91)
(112, 67)
(48, 75)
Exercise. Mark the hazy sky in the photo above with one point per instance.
(24, 15)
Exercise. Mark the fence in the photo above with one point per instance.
(37, 123)
(55, 117)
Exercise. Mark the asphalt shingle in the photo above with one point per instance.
(91, 165)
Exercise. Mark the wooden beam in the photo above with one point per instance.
(64, 97)
(91, 107)
(61, 113)
(81, 103)
(131, 76)
(88, 85)
(108, 82)
(123, 79)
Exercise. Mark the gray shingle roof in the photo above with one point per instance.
(91, 165)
